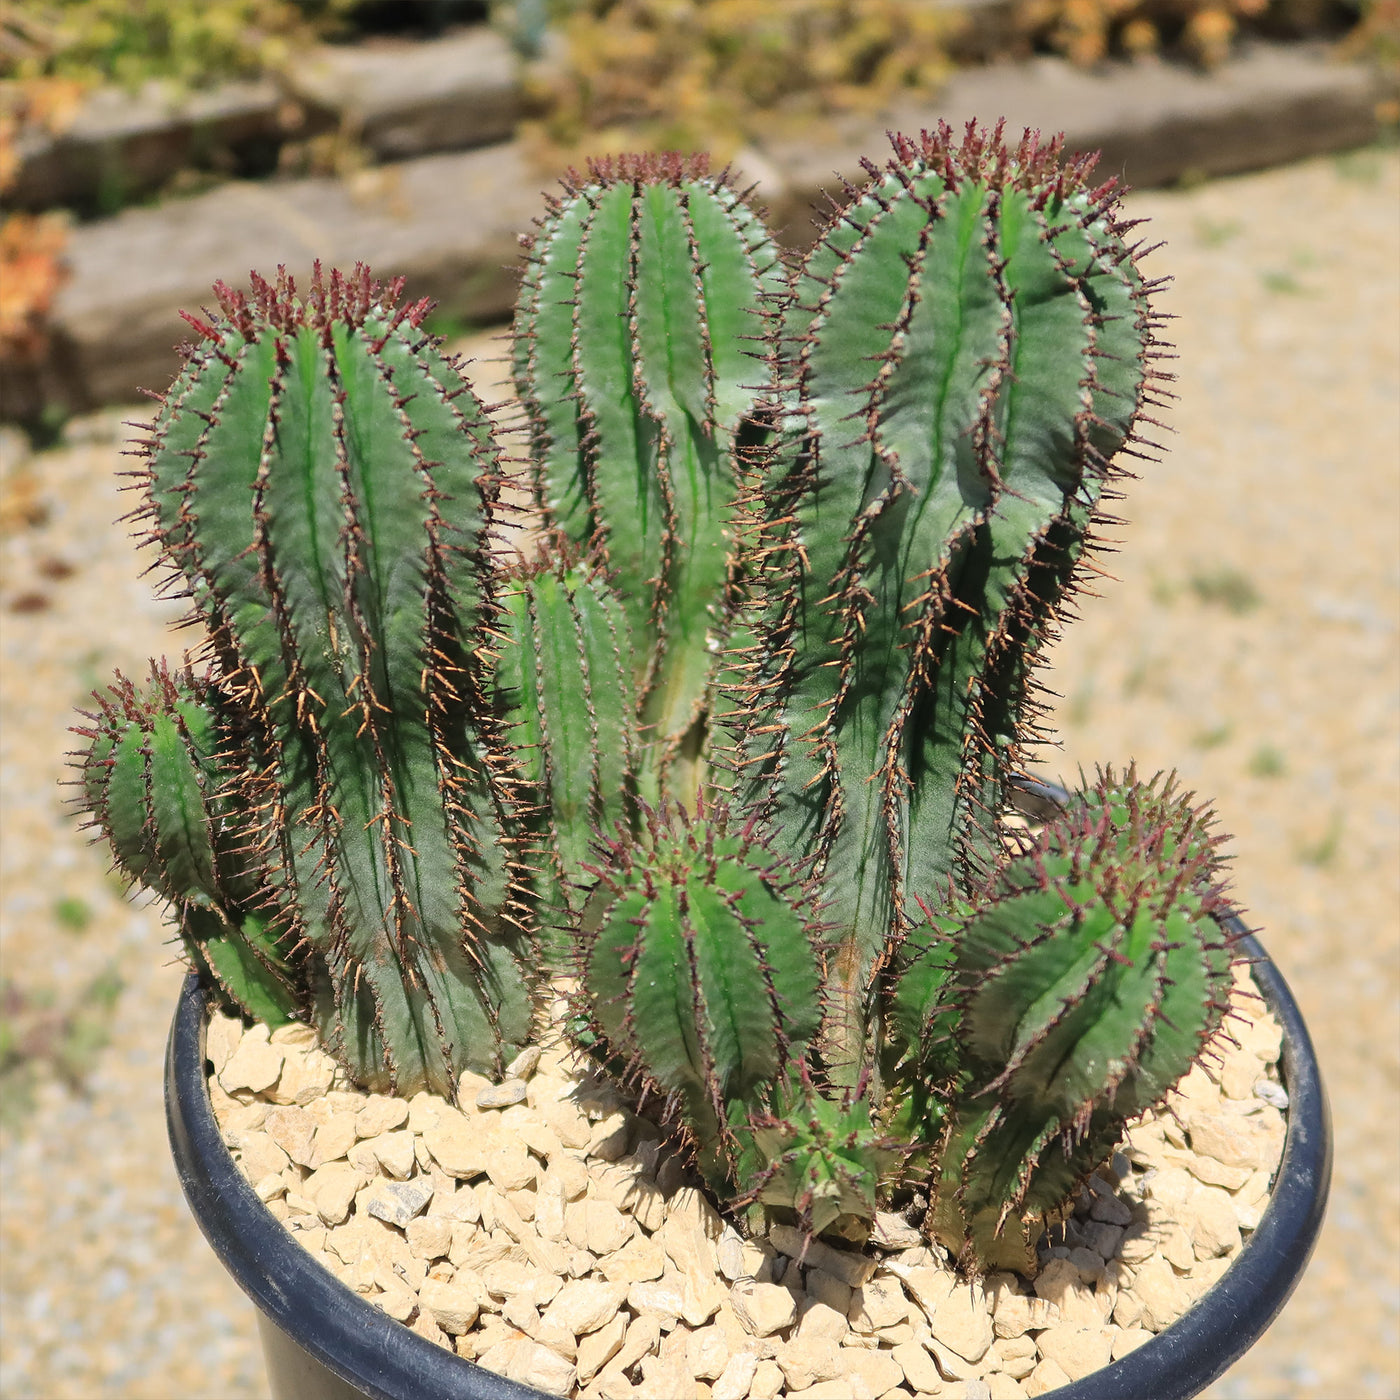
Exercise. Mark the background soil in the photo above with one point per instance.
(1250, 642)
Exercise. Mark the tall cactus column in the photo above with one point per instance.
(565, 690)
(324, 480)
(963, 353)
(639, 361)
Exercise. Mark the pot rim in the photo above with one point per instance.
(385, 1360)
(350, 1337)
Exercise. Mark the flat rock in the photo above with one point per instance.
(380, 1114)
(224, 1032)
(877, 1369)
(663, 1378)
(525, 1063)
(599, 1347)
(503, 1095)
(763, 1308)
(395, 1154)
(1060, 1282)
(1233, 1139)
(853, 1387)
(335, 1136)
(1100, 1238)
(397, 1202)
(455, 1307)
(333, 1188)
(928, 1286)
(878, 1303)
(643, 1337)
(598, 1227)
(293, 1129)
(736, 1380)
(259, 1156)
(894, 1232)
(408, 99)
(851, 1268)
(609, 1138)
(816, 1319)
(508, 1164)
(806, 1360)
(459, 1147)
(1048, 1375)
(397, 1303)
(919, 1367)
(530, 1363)
(767, 1380)
(641, 1258)
(429, 1236)
(255, 1064)
(708, 1352)
(1161, 1292)
(582, 1306)
(449, 223)
(658, 1298)
(1107, 1208)
(135, 141)
(690, 1233)
(1077, 1350)
(1016, 1314)
(1209, 1219)
(822, 1287)
(1128, 1339)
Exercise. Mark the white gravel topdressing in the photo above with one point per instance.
(543, 1230)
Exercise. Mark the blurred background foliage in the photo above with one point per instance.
(189, 43)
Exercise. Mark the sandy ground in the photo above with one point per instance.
(1250, 642)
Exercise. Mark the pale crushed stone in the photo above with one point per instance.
(546, 1232)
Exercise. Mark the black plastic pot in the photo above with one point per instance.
(324, 1342)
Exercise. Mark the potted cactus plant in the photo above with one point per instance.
(726, 727)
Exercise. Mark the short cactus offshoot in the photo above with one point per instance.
(732, 744)
(1077, 989)
(157, 787)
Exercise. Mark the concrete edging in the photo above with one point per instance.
(450, 222)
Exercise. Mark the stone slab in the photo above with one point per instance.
(449, 223)
(403, 99)
(122, 145)
(1155, 123)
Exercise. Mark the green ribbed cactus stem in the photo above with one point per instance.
(323, 481)
(702, 975)
(1087, 983)
(637, 358)
(564, 688)
(919, 1055)
(964, 351)
(168, 803)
